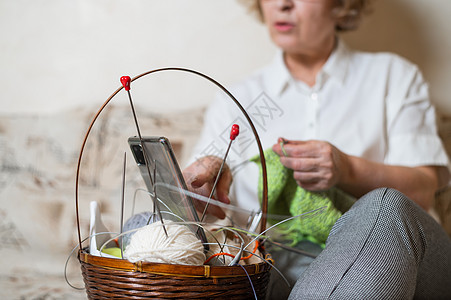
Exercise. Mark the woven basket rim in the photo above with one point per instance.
(206, 271)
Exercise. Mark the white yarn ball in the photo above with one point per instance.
(150, 244)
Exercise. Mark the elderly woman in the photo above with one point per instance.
(343, 119)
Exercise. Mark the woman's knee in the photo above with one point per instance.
(382, 209)
(387, 202)
(398, 217)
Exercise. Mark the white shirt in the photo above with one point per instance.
(371, 105)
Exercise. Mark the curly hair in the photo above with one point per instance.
(347, 12)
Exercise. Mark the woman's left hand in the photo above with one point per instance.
(317, 165)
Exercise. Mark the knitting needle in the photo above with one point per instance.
(234, 132)
(282, 144)
(122, 202)
(125, 80)
(292, 249)
(152, 216)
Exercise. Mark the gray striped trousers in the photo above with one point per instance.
(384, 247)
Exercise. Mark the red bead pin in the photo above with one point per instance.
(125, 80)
(234, 132)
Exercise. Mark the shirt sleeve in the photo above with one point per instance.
(411, 122)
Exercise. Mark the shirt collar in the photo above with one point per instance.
(336, 65)
(278, 77)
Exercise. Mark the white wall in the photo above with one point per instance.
(59, 54)
(418, 30)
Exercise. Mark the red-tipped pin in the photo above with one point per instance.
(125, 80)
(234, 132)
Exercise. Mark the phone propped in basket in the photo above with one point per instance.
(169, 183)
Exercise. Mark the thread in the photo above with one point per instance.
(150, 244)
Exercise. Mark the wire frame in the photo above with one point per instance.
(231, 97)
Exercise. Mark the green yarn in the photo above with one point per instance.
(285, 197)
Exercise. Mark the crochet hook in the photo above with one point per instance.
(234, 132)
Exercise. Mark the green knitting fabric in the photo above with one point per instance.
(285, 197)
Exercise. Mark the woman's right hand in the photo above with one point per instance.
(200, 177)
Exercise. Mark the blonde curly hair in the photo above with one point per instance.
(347, 12)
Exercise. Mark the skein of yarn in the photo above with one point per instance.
(150, 244)
(137, 221)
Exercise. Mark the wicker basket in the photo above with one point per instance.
(116, 278)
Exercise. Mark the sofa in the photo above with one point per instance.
(39, 154)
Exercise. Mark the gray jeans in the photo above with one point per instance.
(384, 247)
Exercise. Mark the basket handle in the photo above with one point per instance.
(254, 131)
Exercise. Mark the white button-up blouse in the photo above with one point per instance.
(372, 105)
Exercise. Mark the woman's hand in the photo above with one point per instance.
(200, 177)
(317, 165)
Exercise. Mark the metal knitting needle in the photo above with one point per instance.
(122, 202)
(154, 193)
(125, 80)
(234, 132)
(282, 144)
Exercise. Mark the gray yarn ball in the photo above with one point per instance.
(137, 221)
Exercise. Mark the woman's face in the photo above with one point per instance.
(300, 26)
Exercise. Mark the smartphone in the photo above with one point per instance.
(169, 184)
